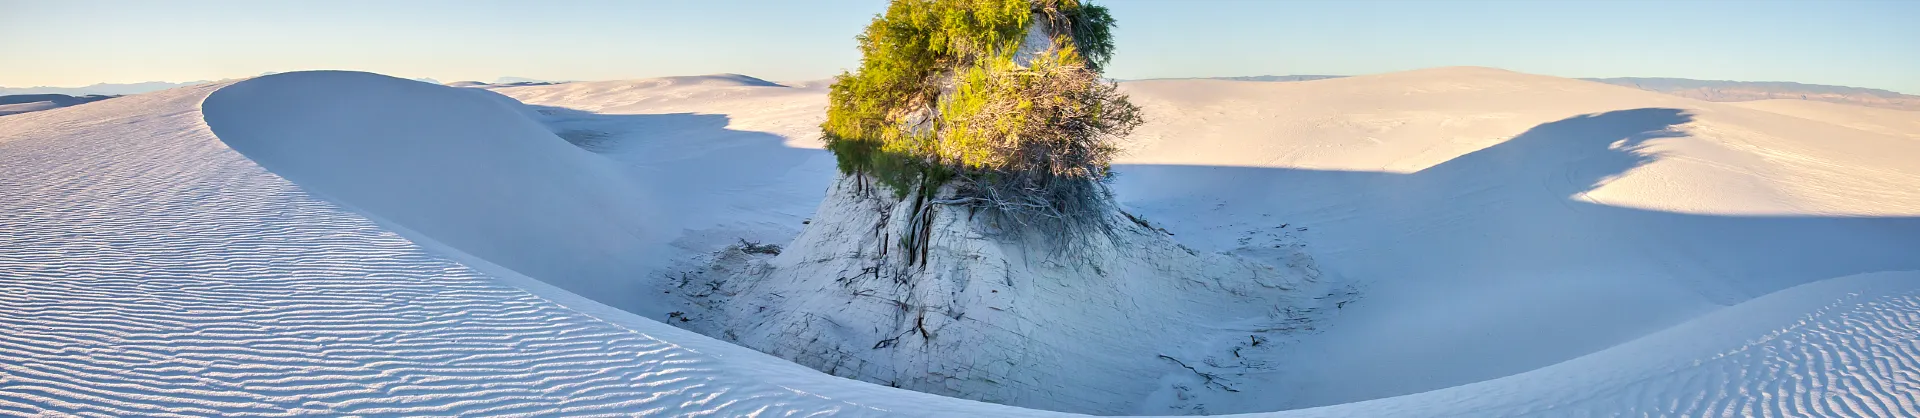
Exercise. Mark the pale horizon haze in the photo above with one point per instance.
(74, 43)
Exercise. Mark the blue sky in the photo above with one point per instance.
(76, 42)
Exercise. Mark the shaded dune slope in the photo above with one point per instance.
(467, 168)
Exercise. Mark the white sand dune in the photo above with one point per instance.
(1514, 260)
(455, 165)
(1899, 123)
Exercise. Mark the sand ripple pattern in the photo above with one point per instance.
(148, 270)
(1859, 357)
(1844, 347)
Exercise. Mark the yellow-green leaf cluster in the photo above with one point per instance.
(889, 119)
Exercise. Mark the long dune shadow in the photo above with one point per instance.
(683, 145)
(1500, 238)
(717, 185)
(692, 154)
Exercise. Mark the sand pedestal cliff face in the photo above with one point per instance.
(942, 299)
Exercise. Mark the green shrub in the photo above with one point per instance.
(939, 98)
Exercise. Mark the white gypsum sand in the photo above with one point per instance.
(1519, 245)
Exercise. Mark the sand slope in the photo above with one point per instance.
(1839, 347)
(465, 167)
(1898, 123)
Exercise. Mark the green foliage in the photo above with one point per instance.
(899, 171)
(1092, 32)
(939, 97)
(904, 49)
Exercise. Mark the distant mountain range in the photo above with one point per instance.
(514, 80)
(1740, 91)
(505, 82)
(1711, 90)
(1296, 77)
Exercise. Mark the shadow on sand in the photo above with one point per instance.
(1489, 264)
(693, 152)
(1520, 193)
